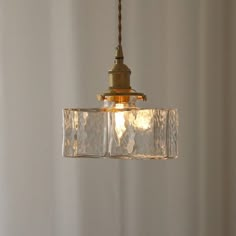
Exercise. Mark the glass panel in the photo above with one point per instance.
(172, 133)
(123, 133)
(139, 134)
(84, 133)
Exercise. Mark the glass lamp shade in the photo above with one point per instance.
(120, 132)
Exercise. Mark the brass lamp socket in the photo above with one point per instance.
(120, 90)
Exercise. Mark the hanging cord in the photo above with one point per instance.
(119, 24)
(119, 51)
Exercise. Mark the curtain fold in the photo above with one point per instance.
(55, 54)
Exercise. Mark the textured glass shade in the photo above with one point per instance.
(123, 133)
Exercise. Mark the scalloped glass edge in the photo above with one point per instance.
(140, 134)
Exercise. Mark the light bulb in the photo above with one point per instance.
(119, 121)
(141, 121)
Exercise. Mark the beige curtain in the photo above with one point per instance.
(56, 54)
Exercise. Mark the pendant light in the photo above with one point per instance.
(120, 129)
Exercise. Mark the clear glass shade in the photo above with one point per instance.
(120, 132)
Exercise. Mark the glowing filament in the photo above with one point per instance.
(119, 121)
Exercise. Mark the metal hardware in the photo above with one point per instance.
(119, 76)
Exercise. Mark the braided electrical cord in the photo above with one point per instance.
(119, 24)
